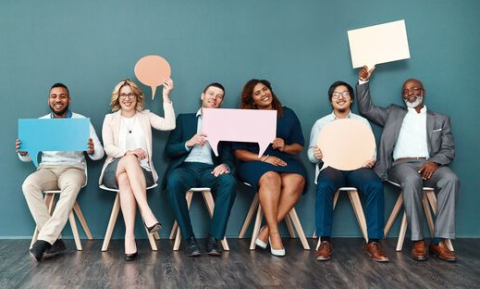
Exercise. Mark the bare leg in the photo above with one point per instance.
(269, 196)
(292, 188)
(129, 165)
(128, 205)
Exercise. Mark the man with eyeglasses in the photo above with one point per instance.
(329, 180)
(57, 170)
(415, 149)
(192, 164)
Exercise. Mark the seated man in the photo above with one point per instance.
(329, 180)
(57, 170)
(415, 150)
(193, 165)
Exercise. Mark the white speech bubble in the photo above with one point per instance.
(378, 44)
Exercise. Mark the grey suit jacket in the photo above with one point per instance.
(439, 133)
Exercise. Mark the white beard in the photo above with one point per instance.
(415, 103)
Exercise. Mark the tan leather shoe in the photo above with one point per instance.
(442, 251)
(419, 251)
(324, 252)
(374, 249)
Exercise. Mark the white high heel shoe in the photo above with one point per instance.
(259, 242)
(276, 252)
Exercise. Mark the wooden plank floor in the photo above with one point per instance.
(239, 268)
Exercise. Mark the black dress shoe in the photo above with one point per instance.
(191, 247)
(212, 247)
(155, 228)
(57, 248)
(131, 257)
(38, 249)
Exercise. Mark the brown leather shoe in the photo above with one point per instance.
(419, 251)
(324, 252)
(442, 251)
(374, 249)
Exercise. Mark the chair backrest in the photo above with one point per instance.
(103, 187)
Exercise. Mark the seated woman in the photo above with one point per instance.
(278, 176)
(127, 138)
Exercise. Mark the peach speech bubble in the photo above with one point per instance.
(242, 125)
(152, 70)
(346, 144)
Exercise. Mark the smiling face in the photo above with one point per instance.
(127, 99)
(262, 96)
(413, 93)
(341, 99)
(59, 100)
(212, 97)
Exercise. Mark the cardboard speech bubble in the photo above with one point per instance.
(66, 134)
(152, 70)
(346, 144)
(379, 44)
(239, 125)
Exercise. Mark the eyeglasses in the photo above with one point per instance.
(412, 89)
(130, 96)
(337, 95)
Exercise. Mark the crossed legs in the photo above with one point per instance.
(278, 194)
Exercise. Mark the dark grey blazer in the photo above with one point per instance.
(439, 132)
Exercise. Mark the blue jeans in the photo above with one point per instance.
(367, 182)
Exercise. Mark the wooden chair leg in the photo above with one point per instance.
(288, 222)
(358, 210)
(76, 236)
(298, 226)
(151, 239)
(403, 231)
(173, 232)
(111, 223)
(256, 227)
(335, 199)
(156, 236)
(208, 198)
(82, 220)
(250, 214)
(396, 209)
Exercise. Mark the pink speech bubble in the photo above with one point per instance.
(152, 70)
(346, 144)
(239, 125)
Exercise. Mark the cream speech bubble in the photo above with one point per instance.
(152, 70)
(346, 144)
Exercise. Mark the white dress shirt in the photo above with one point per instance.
(412, 140)
(200, 154)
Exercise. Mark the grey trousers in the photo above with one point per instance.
(69, 180)
(446, 185)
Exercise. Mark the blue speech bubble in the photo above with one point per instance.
(66, 134)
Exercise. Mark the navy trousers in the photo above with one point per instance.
(367, 182)
(190, 175)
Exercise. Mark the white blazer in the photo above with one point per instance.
(148, 119)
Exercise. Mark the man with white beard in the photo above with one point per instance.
(415, 149)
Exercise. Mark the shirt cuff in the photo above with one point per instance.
(187, 148)
(362, 81)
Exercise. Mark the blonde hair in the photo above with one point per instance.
(115, 104)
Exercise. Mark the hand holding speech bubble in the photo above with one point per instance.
(152, 70)
(239, 125)
(66, 134)
(346, 144)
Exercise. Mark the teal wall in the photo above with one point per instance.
(300, 46)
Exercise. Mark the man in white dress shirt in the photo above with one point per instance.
(64, 170)
(415, 149)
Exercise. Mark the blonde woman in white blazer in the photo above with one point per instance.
(127, 138)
